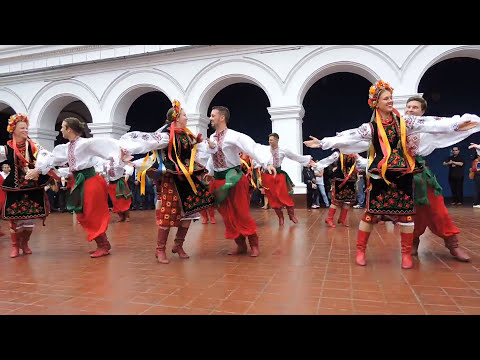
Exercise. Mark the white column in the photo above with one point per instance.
(400, 102)
(198, 123)
(110, 130)
(287, 123)
(43, 137)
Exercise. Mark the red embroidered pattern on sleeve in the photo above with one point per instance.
(413, 144)
(364, 130)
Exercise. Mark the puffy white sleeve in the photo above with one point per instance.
(47, 160)
(435, 124)
(137, 142)
(112, 170)
(350, 141)
(304, 160)
(215, 149)
(202, 154)
(63, 172)
(140, 166)
(210, 166)
(106, 148)
(129, 170)
(260, 153)
(322, 164)
(362, 163)
(427, 142)
(3, 153)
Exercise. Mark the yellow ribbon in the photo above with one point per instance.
(141, 174)
(410, 159)
(351, 169)
(381, 130)
(192, 161)
(259, 177)
(249, 168)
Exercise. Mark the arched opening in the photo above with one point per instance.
(248, 105)
(5, 112)
(334, 103)
(148, 112)
(450, 88)
(75, 109)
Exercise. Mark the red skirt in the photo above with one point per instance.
(235, 209)
(434, 216)
(119, 204)
(276, 190)
(96, 215)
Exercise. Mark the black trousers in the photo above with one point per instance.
(456, 185)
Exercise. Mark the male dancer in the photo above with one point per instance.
(429, 203)
(230, 185)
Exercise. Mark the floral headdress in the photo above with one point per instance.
(14, 119)
(375, 91)
(176, 109)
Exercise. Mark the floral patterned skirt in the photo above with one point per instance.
(395, 198)
(25, 204)
(179, 201)
(345, 194)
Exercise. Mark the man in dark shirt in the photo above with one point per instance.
(455, 175)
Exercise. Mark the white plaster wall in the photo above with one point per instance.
(41, 79)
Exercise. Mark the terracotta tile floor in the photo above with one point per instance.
(302, 269)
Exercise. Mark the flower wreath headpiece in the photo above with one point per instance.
(375, 91)
(176, 108)
(14, 119)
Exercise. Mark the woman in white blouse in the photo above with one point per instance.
(391, 163)
(25, 198)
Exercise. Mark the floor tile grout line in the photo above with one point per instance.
(414, 293)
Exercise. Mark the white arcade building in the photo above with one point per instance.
(47, 82)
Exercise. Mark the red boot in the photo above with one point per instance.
(15, 245)
(121, 216)
(407, 245)
(24, 238)
(161, 245)
(179, 239)
(241, 246)
(103, 246)
(362, 240)
(279, 213)
(342, 219)
(415, 245)
(331, 214)
(211, 213)
(253, 241)
(204, 214)
(451, 243)
(291, 214)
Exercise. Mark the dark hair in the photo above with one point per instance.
(76, 125)
(275, 135)
(223, 110)
(420, 99)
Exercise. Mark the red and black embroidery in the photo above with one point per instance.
(219, 157)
